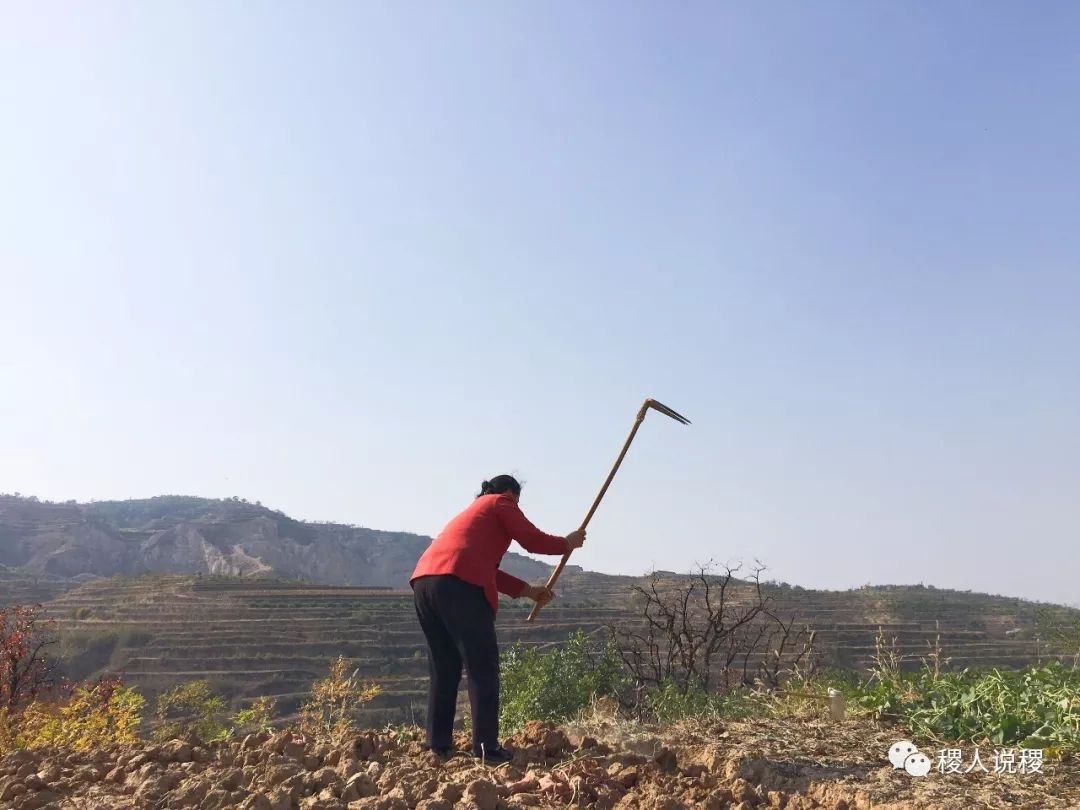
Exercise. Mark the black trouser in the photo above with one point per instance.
(459, 625)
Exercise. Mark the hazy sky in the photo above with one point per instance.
(351, 258)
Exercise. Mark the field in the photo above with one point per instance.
(793, 764)
(251, 638)
(896, 653)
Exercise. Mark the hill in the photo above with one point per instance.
(64, 545)
(171, 589)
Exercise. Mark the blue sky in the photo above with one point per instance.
(349, 259)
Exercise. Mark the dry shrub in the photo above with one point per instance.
(330, 714)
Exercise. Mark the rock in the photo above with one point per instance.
(156, 786)
(742, 791)
(10, 788)
(216, 800)
(483, 793)
(378, 803)
(776, 798)
(296, 785)
(39, 799)
(361, 785)
(175, 751)
(325, 777)
(555, 742)
(49, 774)
(347, 766)
(321, 803)
(33, 782)
(281, 800)
(666, 760)
(628, 777)
(191, 793)
(87, 775)
(294, 750)
(389, 779)
(230, 779)
(280, 773)
(364, 747)
(449, 792)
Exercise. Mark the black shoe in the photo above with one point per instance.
(442, 752)
(496, 755)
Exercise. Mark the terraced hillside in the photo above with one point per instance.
(252, 637)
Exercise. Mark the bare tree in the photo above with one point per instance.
(711, 631)
(24, 669)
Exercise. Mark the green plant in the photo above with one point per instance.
(255, 717)
(1060, 630)
(188, 708)
(330, 712)
(93, 716)
(1035, 707)
(557, 684)
(672, 702)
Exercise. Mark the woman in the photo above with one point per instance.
(456, 588)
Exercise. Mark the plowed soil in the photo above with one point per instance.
(789, 764)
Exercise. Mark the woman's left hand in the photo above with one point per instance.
(539, 594)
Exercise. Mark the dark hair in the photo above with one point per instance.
(500, 484)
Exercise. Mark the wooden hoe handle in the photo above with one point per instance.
(592, 510)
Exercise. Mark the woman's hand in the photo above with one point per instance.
(538, 594)
(576, 539)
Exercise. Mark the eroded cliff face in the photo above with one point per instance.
(197, 535)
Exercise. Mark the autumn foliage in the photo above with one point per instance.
(82, 717)
(25, 672)
(38, 709)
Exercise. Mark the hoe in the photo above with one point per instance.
(649, 403)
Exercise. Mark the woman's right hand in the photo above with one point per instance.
(576, 539)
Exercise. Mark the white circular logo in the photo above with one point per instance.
(900, 751)
(917, 764)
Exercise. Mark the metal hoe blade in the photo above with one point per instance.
(664, 409)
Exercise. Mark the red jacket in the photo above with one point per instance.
(473, 544)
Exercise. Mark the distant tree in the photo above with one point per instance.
(25, 670)
(711, 632)
(1060, 631)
